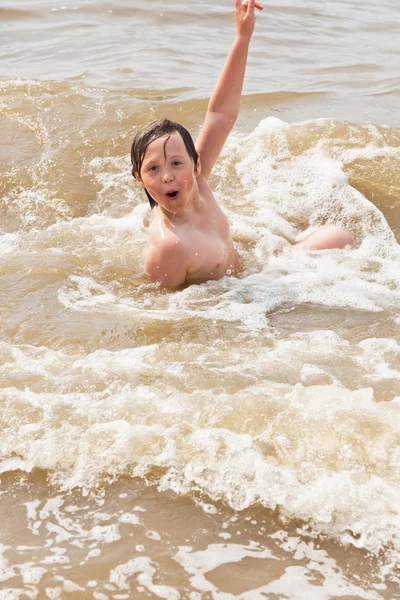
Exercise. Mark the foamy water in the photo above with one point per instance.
(235, 439)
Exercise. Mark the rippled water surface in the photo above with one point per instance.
(235, 439)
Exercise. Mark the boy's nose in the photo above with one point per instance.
(167, 176)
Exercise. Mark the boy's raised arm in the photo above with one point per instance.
(224, 104)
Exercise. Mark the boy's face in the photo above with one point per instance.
(168, 172)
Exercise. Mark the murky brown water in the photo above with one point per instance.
(237, 439)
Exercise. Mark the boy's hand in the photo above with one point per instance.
(245, 18)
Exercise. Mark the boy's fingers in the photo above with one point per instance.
(256, 4)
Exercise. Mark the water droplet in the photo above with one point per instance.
(228, 272)
(197, 253)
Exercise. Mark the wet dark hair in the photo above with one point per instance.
(151, 132)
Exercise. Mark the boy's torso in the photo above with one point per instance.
(206, 240)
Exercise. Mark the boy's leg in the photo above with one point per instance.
(326, 238)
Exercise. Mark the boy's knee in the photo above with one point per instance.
(327, 238)
(341, 237)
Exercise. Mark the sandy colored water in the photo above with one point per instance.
(132, 541)
(236, 439)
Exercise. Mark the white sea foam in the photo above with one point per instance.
(202, 385)
(296, 581)
(323, 454)
(145, 571)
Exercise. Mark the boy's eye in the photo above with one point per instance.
(153, 168)
(176, 162)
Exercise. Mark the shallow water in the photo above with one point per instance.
(235, 439)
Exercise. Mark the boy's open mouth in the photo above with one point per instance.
(172, 194)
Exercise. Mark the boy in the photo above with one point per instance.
(190, 240)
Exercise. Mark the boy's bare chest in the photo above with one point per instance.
(207, 243)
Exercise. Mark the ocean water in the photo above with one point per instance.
(235, 439)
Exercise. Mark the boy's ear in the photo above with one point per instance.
(138, 180)
(197, 167)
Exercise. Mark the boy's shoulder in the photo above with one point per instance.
(204, 186)
(165, 260)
